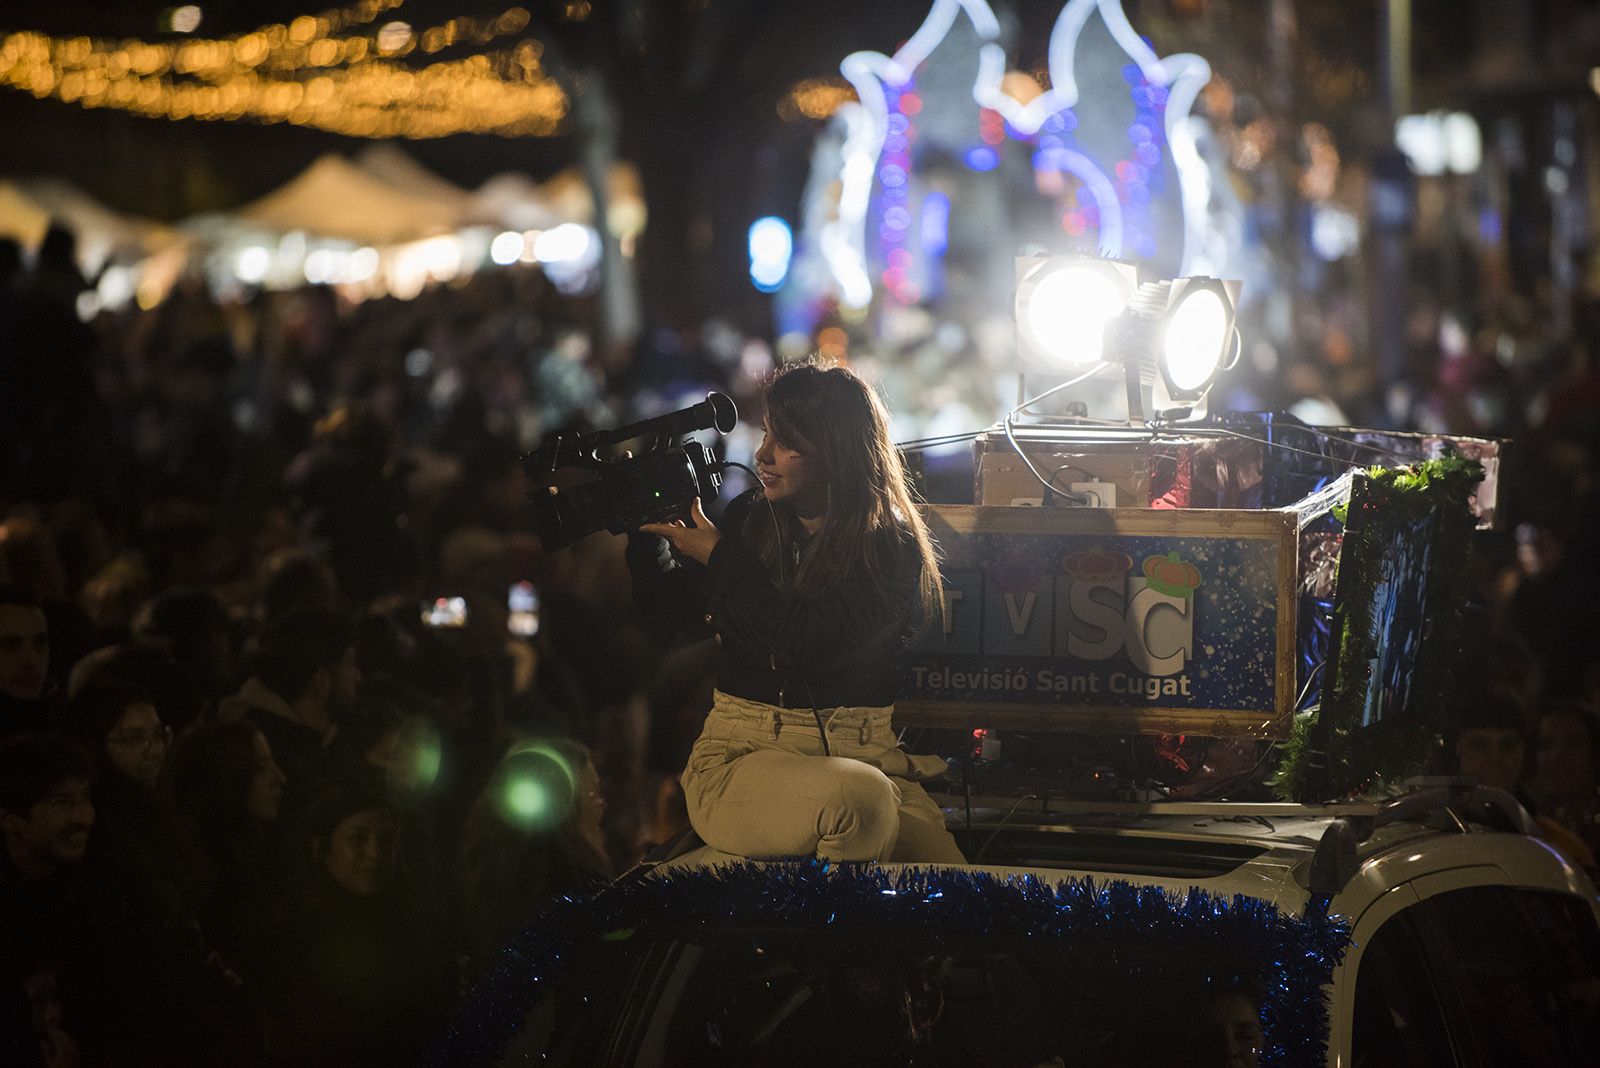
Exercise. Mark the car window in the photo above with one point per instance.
(1398, 1022)
(572, 1022)
(1512, 1001)
(805, 998)
(1570, 945)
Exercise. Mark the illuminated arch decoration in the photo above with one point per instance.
(876, 143)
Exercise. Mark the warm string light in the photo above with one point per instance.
(815, 99)
(304, 73)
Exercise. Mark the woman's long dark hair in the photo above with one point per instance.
(838, 423)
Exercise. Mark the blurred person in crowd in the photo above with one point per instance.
(46, 811)
(681, 693)
(181, 538)
(56, 276)
(29, 548)
(27, 700)
(351, 500)
(1491, 746)
(194, 626)
(399, 753)
(1566, 777)
(359, 973)
(48, 441)
(83, 543)
(524, 677)
(294, 578)
(1490, 742)
(47, 906)
(1551, 605)
(147, 666)
(113, 596)
(33, 1031)
(469, 715)
(384, 646)
(305, 680)
(155, 987)
(31, 558)
(135, 838)
(1515, 667)
(534, 833)
(11, 266)
(1226, 1032)
(491, 491)
(227, 789)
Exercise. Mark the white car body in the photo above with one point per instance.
(1401, 864)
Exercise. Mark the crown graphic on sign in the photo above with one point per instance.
(1097, 565)
(1172, 575)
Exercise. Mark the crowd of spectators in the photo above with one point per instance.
(259, 795)
(259, 799)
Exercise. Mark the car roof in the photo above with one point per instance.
(1263, 850)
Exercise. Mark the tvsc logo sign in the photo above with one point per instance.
(1094, 609)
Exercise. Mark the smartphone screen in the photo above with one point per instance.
(523, 601)
(445, 612)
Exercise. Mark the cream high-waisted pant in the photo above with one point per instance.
(757, 784)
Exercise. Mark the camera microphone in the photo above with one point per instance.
(658, 482)
(717, 410)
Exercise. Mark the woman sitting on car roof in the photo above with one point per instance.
(813, 585)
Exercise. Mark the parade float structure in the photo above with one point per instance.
(1314, 604)
(1141, 612)
(1175, 576)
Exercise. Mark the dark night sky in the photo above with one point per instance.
(143, 165)
(712, 149)
(698, 112)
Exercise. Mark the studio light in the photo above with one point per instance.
(1197, 339)
(1088, 318)
(1063, 306)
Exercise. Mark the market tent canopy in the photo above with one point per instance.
(335, 198)
(399, 170)
(513, 200)
(102, 232)
(21, 218)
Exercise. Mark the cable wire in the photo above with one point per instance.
(989, 841)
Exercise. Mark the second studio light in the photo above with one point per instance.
(1196, 339)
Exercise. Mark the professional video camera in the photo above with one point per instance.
(653, 485)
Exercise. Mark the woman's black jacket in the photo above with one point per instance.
(779, 646)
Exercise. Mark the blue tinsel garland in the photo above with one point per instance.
(1293, 956)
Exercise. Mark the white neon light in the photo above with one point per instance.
(843, 240)
(771, 245)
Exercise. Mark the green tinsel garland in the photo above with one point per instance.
(1365, 760)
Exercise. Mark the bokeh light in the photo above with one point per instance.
(536, 788)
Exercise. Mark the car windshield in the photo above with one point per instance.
(751, 995)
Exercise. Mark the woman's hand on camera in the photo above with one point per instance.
(695, 542)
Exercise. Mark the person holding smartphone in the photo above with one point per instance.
(814, 585)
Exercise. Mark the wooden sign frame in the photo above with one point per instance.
(1048, 539)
